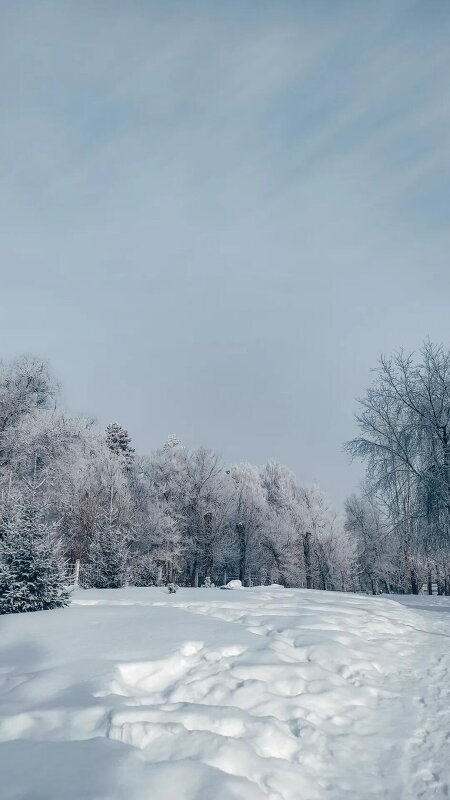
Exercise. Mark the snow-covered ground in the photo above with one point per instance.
(136, 694)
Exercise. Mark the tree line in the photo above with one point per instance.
(71, 494)
(177, 514)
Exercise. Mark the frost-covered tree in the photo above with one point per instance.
(26, 386)
(33, 573)
(26, 390)
(333, 555)
(364, 522)
(107, 560)
(205, 513)
(87, 503)
(119, 442)
(309, 544)
(404, 439)
(171, 441)
(188, 488)
(165, 523)
(282, 555)
(313, 523)
(248, 517)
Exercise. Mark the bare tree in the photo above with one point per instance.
(404, 438)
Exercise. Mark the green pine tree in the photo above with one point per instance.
(32, 570)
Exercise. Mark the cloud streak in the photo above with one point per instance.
(215, 216)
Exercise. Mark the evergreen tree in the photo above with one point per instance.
(119, 442)
(32, 570)
(107, 561)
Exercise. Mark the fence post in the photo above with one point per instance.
(76, 573)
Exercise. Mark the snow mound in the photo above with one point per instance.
(235, 584)
(133, 694)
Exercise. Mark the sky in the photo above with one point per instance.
(215, 216)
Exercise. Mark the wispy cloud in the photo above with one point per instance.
(243, 203)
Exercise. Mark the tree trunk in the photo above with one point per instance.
(414, 584)
(438, 582)
(194, 575)
(208, 545)
(430, 583)
(240, 530)
(446, 449)
(307, 557)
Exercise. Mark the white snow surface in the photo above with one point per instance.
(136, 694)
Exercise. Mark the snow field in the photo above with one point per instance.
(247, 694)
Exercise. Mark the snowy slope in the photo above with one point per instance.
(260, 693)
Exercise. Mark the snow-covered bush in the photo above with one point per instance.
(143, 571)
(235, 584)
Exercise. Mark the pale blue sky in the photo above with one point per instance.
(215, 216)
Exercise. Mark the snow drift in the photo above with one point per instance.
(242, 695)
